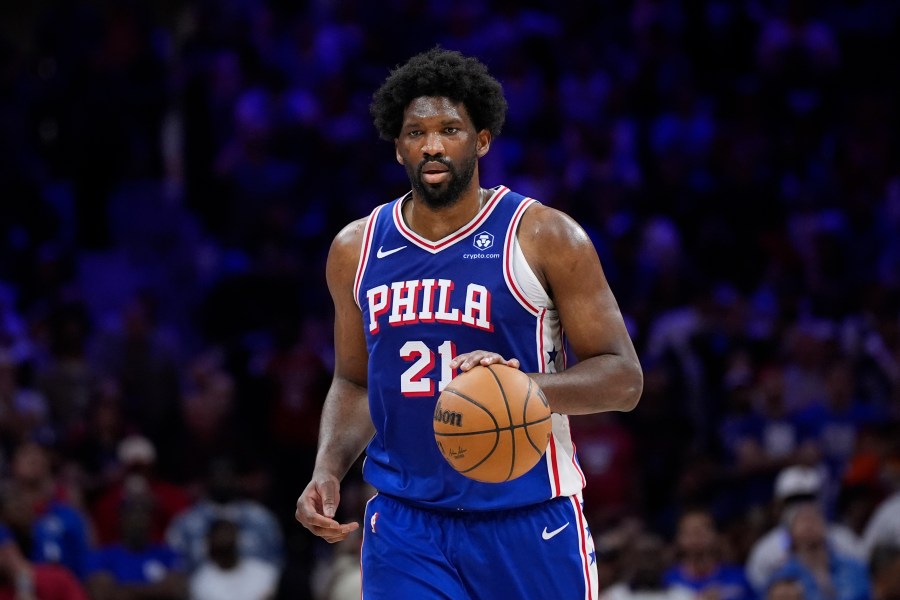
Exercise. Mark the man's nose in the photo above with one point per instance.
(434, 145)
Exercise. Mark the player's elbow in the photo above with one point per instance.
(632, 386)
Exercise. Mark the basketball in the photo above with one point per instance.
(492, 423)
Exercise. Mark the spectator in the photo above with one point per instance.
(208, 406)
(21, 580)
(796, 487)
(643, 566)
(137, 457)
(94, 453)
(760, 434)
(835, 421)
(69, 379)
(258, 536)
(700, 563)
(135, 566)
(785, 589)
(883, 528)
(24, 413)
(866, 483)
(824, 572)
(226, 575)
(49, 528)
(810, 348)
(139, 356)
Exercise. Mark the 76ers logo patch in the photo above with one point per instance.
(483, 240)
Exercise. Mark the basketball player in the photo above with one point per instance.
(449, 276)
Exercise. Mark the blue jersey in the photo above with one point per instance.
(60, 535)
(727, 582)
(127, 566)
(424, 302)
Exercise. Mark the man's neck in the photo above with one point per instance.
(699, 564)
(226, 562)
(437, 223)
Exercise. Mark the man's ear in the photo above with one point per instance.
(397, 152)
(483, 142)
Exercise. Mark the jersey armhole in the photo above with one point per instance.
(520, 277)
(364, 253)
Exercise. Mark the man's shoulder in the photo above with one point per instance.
(65, 512)
(549, 220)
(194, 517)
(892, 503)
(771, 541)
(352, 232)
(256, 512)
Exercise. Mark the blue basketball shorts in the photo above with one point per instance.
(541, 552)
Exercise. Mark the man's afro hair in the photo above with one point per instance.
(439, 73)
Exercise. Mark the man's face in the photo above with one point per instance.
(807, 528)
(696, 533)
(785, 590)
(439, 148)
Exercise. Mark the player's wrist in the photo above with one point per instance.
(327, 470)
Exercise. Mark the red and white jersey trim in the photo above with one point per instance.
(586, 550)
(365, 252)
(471, 227)
(515, 266)
(566, 476)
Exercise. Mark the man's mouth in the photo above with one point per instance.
(435, 172)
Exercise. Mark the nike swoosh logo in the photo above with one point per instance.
(382, 253)
(549, 534)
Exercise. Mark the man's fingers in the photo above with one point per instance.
(468, 360)
(335, 534)
(330, 498)
(345, 530)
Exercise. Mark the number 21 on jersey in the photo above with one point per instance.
(418, 379)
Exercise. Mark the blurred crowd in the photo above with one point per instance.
(172, 174)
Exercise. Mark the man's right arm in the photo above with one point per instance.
(346, 426)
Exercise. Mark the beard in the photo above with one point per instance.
(446, 194)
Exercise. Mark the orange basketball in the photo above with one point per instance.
(492, 423)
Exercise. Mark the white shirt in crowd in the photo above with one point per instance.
(621, 591)
(772, 550)
(884, 525)
(251, 579)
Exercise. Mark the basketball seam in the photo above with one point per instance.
(525, 416)
(478, 404)
(512, 454)
(510, 428)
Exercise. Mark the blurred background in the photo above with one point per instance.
(172, 174)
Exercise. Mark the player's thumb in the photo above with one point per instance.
(330, 498)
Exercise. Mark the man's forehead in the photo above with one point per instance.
(431, 106)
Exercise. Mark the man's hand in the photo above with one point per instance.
(316, 508)
(465, 362)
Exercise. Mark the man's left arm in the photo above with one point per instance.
(608, 373)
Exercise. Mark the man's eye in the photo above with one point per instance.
(415, 133)
(451, 130)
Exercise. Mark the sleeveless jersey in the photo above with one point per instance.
(425, 302)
